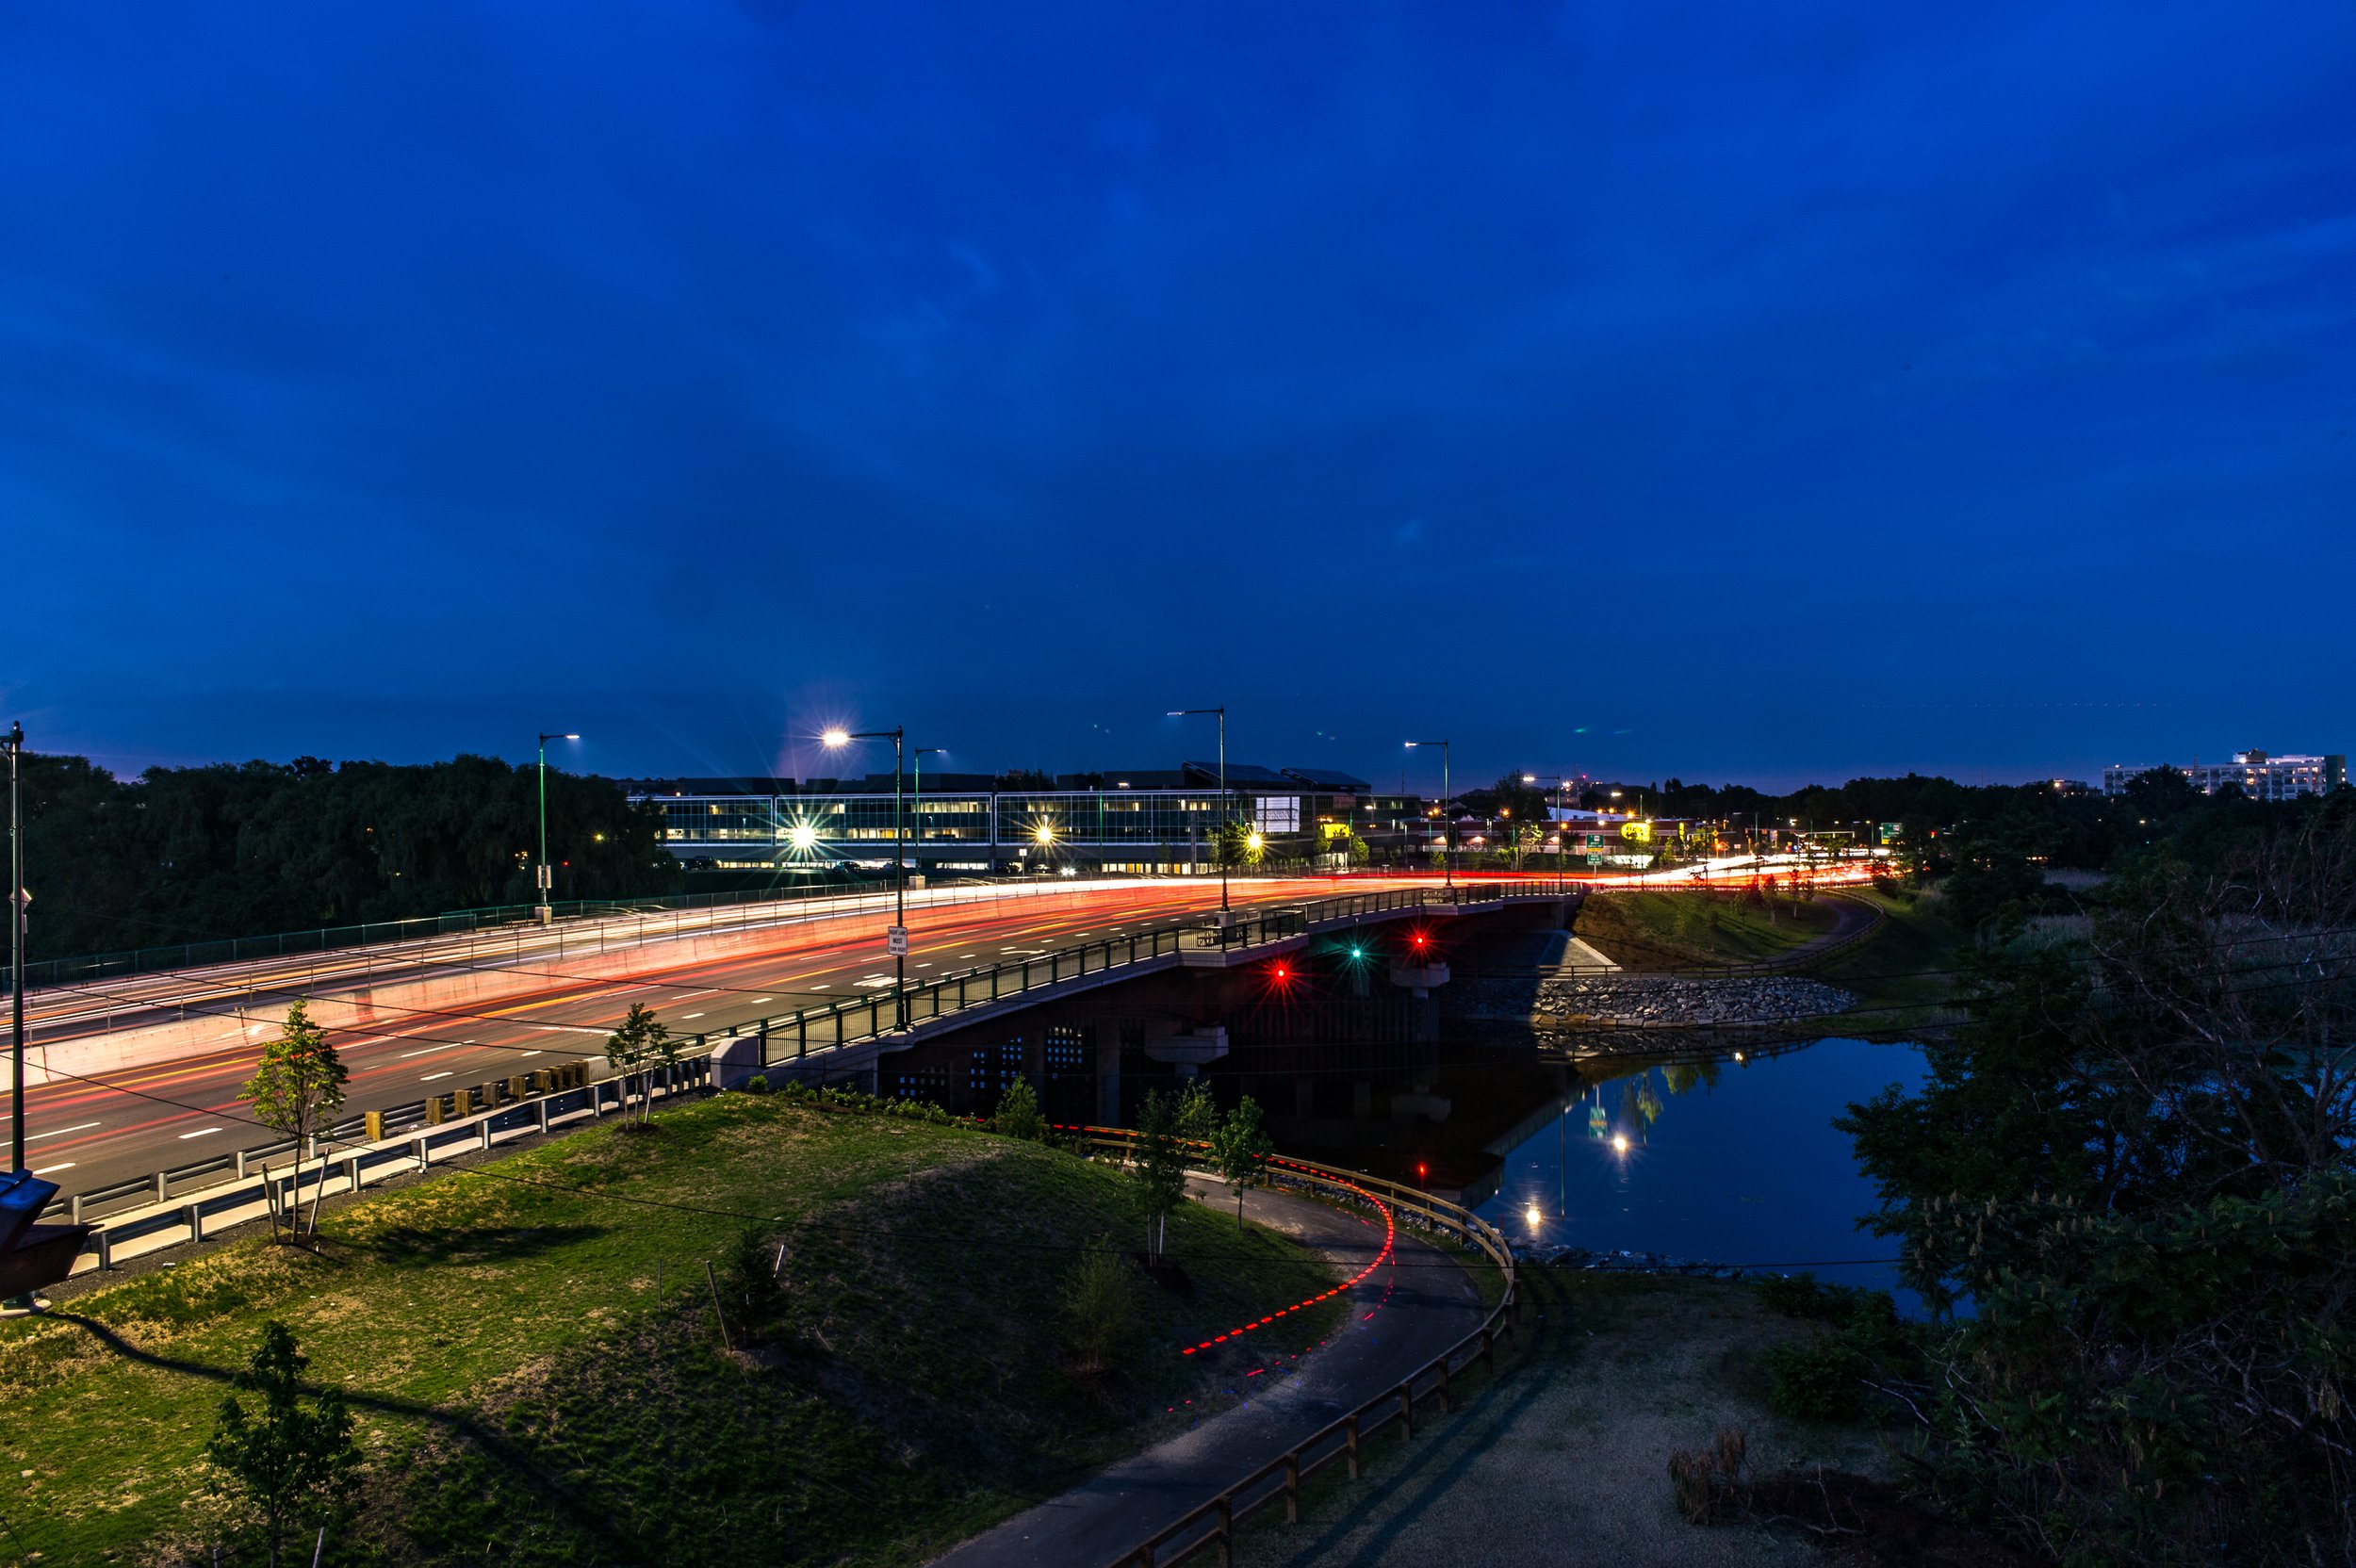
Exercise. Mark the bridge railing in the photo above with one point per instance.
(1212, 1524)
(889, 1008)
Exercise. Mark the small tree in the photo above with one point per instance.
(748, 1278)
(1160, 1168)
(294, 1091)
(1240, 1149)
(640, 1045)
(292, 1460)
(1100, 1301)
(1195, 1116)
(1017, 1113)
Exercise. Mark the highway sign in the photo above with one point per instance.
(896, 941)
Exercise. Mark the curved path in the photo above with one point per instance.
(1401, 1316)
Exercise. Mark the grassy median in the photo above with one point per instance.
(532, 1351)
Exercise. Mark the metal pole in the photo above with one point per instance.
(16, 957)
(545, 912)
(899, 873)
(1225, 806)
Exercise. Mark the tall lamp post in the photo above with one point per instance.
(1447, 824)
(1221, 711)
(546, 881)
(16, 958)
(916, 797)
(898, 939)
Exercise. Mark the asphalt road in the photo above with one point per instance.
(127, 1123)
(1415, 1306)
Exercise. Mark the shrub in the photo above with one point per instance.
(756, 1084)
(1018, 1113)
(1707, 1482)
(1822, 1382)
(748, 1279)
(1100, 1301)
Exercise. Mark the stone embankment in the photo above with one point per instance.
(1565, 1256)
(1623, 999)
(1656, 1001)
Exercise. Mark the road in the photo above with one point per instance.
(128, 1122)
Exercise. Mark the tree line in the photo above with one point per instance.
(195, 853)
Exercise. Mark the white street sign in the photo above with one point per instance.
(896, 941)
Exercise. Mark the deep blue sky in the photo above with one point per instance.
(1760, 392)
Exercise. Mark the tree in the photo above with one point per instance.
(1240, 1151)
(1160, 1168)
(1018, 1115)
(294, 1091)
(2133, 1160)
(292, 1460)
(636, 1049)
(1195, 1116)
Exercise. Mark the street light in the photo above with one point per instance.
(546, 881)
(916, 798)
(898, 940)
(1221, 711)
(1447, 824)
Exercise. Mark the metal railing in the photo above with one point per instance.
(1212, 1524)
(888, 1009)
(340, 1163)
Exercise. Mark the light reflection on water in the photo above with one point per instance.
(1726, 1162)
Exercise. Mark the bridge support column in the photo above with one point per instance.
(1109, 1073)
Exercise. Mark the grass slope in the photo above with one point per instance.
(529, 1396)
(1907, 967)
(1653, 931)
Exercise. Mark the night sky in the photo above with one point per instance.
(1765, 393)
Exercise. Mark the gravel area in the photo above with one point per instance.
(1672, 999)
(1563, 1459)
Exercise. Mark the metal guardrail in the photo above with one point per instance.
(889, 1009)
(341, 1163)
(1212, 1524)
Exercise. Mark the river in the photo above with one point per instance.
(1725, 1162)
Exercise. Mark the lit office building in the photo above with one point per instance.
(2258, 775)
(1153, 823)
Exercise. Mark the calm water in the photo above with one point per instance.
(1727, 1162)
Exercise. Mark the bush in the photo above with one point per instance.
(1822, 1382)
(1018, 1115)
(1708, 1481)
(756, 1084)
(1100, 1301)
(748, 1279)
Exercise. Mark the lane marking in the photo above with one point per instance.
(61, 1132)
(198, 1134)
(431, 1076)
(685, 1016)
(765, 999)
(47, 1168)
(527, 1052)
(432, 1049)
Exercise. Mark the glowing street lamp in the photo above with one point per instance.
(835, 740)
(1447, 824)
(546, 881)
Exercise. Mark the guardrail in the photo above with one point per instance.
(889, 1010)
(1212, 1524)
(341, 1163)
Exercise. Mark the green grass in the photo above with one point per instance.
(1688, 929)
(1905, 971)
(527, 1396)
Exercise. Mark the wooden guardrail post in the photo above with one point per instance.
(1357, 1470)
(1444, 1398)
(1407, 1409)
(1292, 1486)
(1226, 1532)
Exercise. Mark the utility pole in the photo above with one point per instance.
(916, 810)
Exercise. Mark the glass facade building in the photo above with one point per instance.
(1147, 823)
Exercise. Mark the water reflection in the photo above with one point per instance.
(1725, 1161)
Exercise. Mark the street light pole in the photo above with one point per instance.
(897, 735)
(916, 808)
(1224, 802)
(546, 882)
(1447, 824)
(16, 957)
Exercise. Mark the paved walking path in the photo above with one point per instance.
(1402, 1314)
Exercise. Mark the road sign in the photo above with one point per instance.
(896, 941)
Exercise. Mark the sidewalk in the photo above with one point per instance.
(1402, 1314)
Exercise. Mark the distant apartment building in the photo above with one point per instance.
(2259, 774)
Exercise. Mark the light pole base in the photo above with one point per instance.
(23, 1306)
(546, 915)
